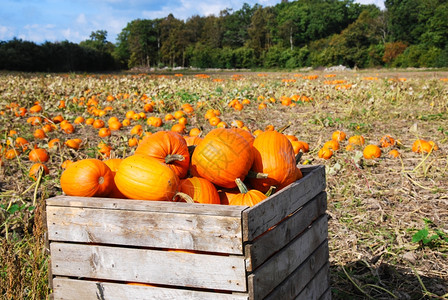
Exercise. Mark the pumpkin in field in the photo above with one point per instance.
(371, 152)
(246, 197)
(274, 156)
(200, 190)
(222, 157)
(38, 155)
(87, 178)
(387, 141)
(35, 168)
(420, 146)
(144, 177)
(168, 147)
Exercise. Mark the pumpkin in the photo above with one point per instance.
(144, 177)
(274, 156)
(387, 141)
(246, 197)
(338, 136)
(325, 153)
(168, 147)
(356, 140)
(87, 178)
(371, 152)
(200, 190)
(394, 153)
(34, 170)
(222, 157)
(38, 155)
(332, 144)
(421, 146)
(113, 165)
(245, 134)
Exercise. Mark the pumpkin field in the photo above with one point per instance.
(381, 134)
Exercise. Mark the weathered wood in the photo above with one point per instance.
(317, 286)
(147, 206)
(264, 279)
(279, 236)
(72, 289)
(264, 215)
(146, 229)
(149, 266)
(326, 295)
(297, 280)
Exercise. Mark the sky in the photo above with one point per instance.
(59, 20)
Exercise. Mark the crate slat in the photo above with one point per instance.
(72, 289)
(259, 218)
(277, 249)
(297, 280)
(146, 229)
(263, 280)
(273, 240)
(147, 206)
(149, 266)
(317, 286)
(326, 295)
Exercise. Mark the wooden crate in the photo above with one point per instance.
(277, 249)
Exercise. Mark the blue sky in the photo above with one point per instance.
(59, 20)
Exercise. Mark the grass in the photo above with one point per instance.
(375, 207)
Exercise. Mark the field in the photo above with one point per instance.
(388, 217)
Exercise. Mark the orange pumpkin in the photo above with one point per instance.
(387, 141)
(34, 170)
(87, 178)
(246, 197)
(371, 152)
(38, 155)
(421, 146)
(274, 156)
(338, 136)
(221, 157)
(143, 177)
(168, 147)
(200, 190)
(113, 165)
(325, 153)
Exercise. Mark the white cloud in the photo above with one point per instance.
(81, 19)
(6, 33)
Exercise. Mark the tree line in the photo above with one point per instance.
(303, 33)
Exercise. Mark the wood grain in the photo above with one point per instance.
(149, 266)
(264, 279)
(72, 289)
(145, 228)
(266, 214)
(279, 236)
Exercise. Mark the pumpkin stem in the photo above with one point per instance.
(170, 158)
(299, 156)
(241, 186)
(185, 197)
(284, 127)
(271, 190)
(257, 175)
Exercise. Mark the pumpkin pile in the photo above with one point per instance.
(221, 167)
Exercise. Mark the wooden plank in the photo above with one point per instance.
(72, 289)
(142, 205)
(317, 286)
(259, 218)
(149, 266)
(264, 279)
(279, 236)
(297, 281)
(146, 229)
(326, 295)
